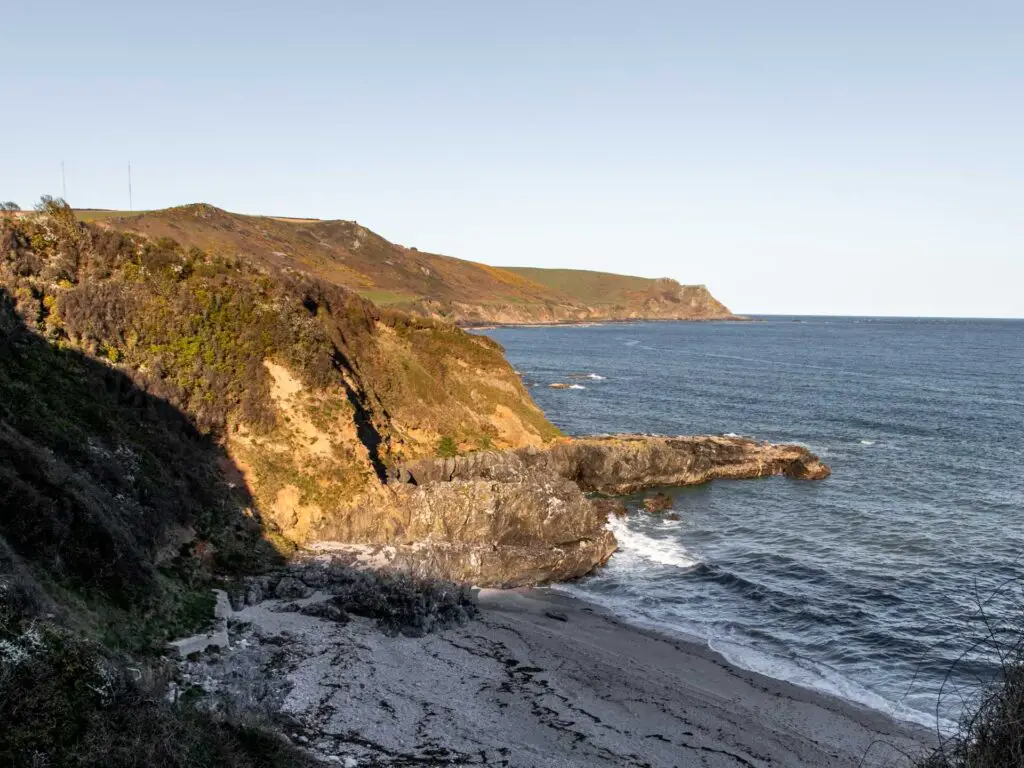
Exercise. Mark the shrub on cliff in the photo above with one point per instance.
(447, 447)
(991, 730)
(64, 701)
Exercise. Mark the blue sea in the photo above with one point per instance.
(872, 584)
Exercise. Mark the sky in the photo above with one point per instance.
(861, 158)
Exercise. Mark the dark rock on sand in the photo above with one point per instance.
(291, 587)
(400, 603)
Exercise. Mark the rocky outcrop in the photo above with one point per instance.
(520, 517)
(659, 502)
(626, 463)
(528, 527)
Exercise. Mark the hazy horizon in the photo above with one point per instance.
(798, 159)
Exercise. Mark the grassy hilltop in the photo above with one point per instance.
(346, 253)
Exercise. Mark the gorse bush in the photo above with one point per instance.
(447, 447)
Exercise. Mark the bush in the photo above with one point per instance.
(991, 732)
(447, 448)
(64, 702)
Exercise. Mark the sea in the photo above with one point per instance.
(887, 583)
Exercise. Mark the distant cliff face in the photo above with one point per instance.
(665, 300)
(463, 292)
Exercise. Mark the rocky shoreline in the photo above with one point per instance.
(367, 655)
(523, 517)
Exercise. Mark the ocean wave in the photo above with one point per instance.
(576, 386)
(596, 377)
(867, 442)
(818, 677)
(636, 545)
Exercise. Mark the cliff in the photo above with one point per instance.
(464, 292)
(602, 296)
(173, 419)
(311, 392)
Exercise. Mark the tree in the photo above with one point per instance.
(9, 206)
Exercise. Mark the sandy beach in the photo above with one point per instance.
(539, 679)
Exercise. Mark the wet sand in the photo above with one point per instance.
(544, 680)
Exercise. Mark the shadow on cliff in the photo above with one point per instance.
(109, 492)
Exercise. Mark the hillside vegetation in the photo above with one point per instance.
(170, 417)
(314, 391)
(347, 254)
(623, 297)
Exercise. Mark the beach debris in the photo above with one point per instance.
(556, 615)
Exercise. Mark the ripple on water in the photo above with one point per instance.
(866, 584)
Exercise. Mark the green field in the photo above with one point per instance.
(586, 286)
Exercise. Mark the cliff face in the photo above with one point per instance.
(309, 394)
(600, 296)
(464, 292)
(317, 407)
(520, 517)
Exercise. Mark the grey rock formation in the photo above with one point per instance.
(515, 518)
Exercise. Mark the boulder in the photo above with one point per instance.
(290, 587)
(609, 507)
(253, 592)
(217, 637)
(511, 526)
(659, 502)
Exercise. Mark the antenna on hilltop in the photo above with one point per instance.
(63, 183)
(130, 209)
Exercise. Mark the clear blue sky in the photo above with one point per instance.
(807, 157)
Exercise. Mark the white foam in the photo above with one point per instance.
(803, 674)
(632, 343)
(636, 545)
(731, 434)
(819, 678)
(576, 386)
(596, 377)
(867, 442)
